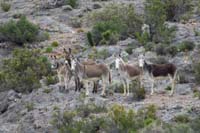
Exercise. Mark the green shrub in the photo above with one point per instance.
(90, 39)
(86, 110)
(155, 17)
(172, 50)
(24, 70)
(54, 44)
(47, 90)
(197, 72)
(51, 80)
(160, 49)
(5, 6)
(122, 118)
(181, 119)
(149, 46)
(29, 106)
(196, 93)
(106, 33)
(111, 25)
(197, 32)
(49, 50)
(19, 32)
(138, 91)
(116, 119)
(186, 46)
(177, 9)
(129, 121)
(72, 3)
(75, 22)
(194, 124)
(129, 50)
(142, 38)
(164, 49)
(65, 123)
(99, 54)
(168, 88)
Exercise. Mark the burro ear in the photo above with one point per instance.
(55, 57)
(70, 50)
(78, 59)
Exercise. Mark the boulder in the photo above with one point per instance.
(67, 8)
(97, 6)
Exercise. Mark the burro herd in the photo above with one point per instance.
(90, 72)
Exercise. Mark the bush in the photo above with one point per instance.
(90, 39)
(129, 121)
(117, 119)
(197, 94)
(181, 119)
(138, 91)
(86, 110)
(142, 38)
(114, 22)
(49, 50)
(160, 49)
(51, 80)
(99, 54)
(47, 90)
(66, 123)
(164, 49)
(171, 50)
(29, 106)
(75, 22)
(54, 44)
(106, 33)
(24, 70)
(123, 119)
(177, 9)
(19, 32)
(155, 17)
(72, 3)
(186, 46)
(5, 6)
(197, 72)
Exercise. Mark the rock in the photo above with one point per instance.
(183, 89)
(3, 106)
(128, 41)
(150, 55)
(51, 25)
(97, 6)
(67, 8)
(137, 51)
(52, 4)
(100, 102)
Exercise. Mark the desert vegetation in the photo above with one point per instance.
(48, 49)
(112, 24)
(24, 70)
(119, 119)
(20, 32)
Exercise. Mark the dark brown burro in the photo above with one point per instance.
(157, 71)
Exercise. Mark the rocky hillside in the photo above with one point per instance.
(97, 29)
